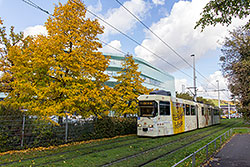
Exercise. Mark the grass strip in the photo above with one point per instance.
(92, 160)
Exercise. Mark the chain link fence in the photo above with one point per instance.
(21, 131)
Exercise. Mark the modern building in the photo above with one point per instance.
(154, 78)
(228, 106)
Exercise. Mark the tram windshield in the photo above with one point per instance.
(148, 108)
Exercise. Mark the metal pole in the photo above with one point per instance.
(207, 151)
(23, 126)
(66, 128)
(193, 160)
(229, 115)
(218, 93)
(195, 91)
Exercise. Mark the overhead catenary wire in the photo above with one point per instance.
(132, 39)
(112, 47)
(29, 2)
(165, 43)
(143, 46)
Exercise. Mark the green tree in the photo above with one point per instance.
(62, 71)
(186, 96)
(129, 87)
(205, 101)
(236, 66)
(223, 11)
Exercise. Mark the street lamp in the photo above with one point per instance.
(195, 93)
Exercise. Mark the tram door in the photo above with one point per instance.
(212, 116)
(197, 115)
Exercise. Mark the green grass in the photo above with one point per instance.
(107, 151)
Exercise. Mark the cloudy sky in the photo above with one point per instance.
(171, 20)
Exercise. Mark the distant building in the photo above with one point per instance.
(153, 76)
(226, 107)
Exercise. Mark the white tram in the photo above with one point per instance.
(161, 114)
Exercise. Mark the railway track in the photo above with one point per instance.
(94, 149)
(68, 151)
(114, 147)
(164, 145)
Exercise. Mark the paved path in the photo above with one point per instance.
(235, 153)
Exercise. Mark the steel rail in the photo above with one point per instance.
(152, 149)
(179, 148)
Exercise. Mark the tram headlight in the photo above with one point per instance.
(139, 125)
(150, 126)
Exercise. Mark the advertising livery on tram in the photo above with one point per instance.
(161, 114)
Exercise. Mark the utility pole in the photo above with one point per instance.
(195, 91)
(218, 93)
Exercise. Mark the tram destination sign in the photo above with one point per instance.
(146, 103)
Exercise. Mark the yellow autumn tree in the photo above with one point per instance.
(129, 87)
(6, 43)
(63, 71)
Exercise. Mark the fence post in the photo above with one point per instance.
(66, 128)
(193, 160)
(207, 150)
(23, 126)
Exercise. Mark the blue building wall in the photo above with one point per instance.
(154, 77)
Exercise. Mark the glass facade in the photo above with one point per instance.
(154, 78)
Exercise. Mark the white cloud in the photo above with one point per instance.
(35, 30)
(212, 86)
(177, 30)
(159, 2)
(208, 90)
(181, 85)
(110, 47)
(96, 9)
(121, 19)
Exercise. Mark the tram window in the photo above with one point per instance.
(164, 108)
(187, 109)
(148, 108)
(202, 110)
(192, 110)
(184, 108)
